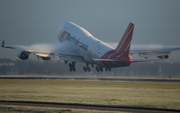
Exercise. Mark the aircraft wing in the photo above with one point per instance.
(153, 51)
(62, 49)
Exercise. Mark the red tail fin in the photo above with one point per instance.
(125, 42)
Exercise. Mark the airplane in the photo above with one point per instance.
(78, 45)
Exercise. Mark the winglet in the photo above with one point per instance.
(3, 42)
(6, 46)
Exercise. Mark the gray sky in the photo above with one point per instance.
(25, 22)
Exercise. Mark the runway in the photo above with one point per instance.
(87, 107)
(95, 79)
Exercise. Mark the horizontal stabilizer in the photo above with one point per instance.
(146, 60)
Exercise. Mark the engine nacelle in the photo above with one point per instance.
(23, 55)
(45, 58)
(163, 57)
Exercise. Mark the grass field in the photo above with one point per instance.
(23, 109)
(164, 95)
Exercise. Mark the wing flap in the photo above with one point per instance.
(74, 59)
(42, 54)
(71, 57)
(109, 60)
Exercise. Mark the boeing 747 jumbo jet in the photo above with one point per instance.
(78, 45)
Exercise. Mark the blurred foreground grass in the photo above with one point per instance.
(164, 95)
(25, 109)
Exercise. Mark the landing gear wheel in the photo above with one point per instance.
(74, 69)
(73, 64)
(97, 68)
(70, 65)
(70, 69)
(85, 69)
(101, 69)
(88, 69)
(65, 62)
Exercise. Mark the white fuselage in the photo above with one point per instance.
(86, 45)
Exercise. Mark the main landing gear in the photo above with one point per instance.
(87, 68)
(100, 69)
(72, 66)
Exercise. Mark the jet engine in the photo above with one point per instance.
(45, 58)
(23, 55)
(163, 57)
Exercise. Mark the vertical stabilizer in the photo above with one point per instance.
(125, 42)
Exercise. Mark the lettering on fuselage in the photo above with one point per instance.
(83, 46)
(72, 38)
(77, 42)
